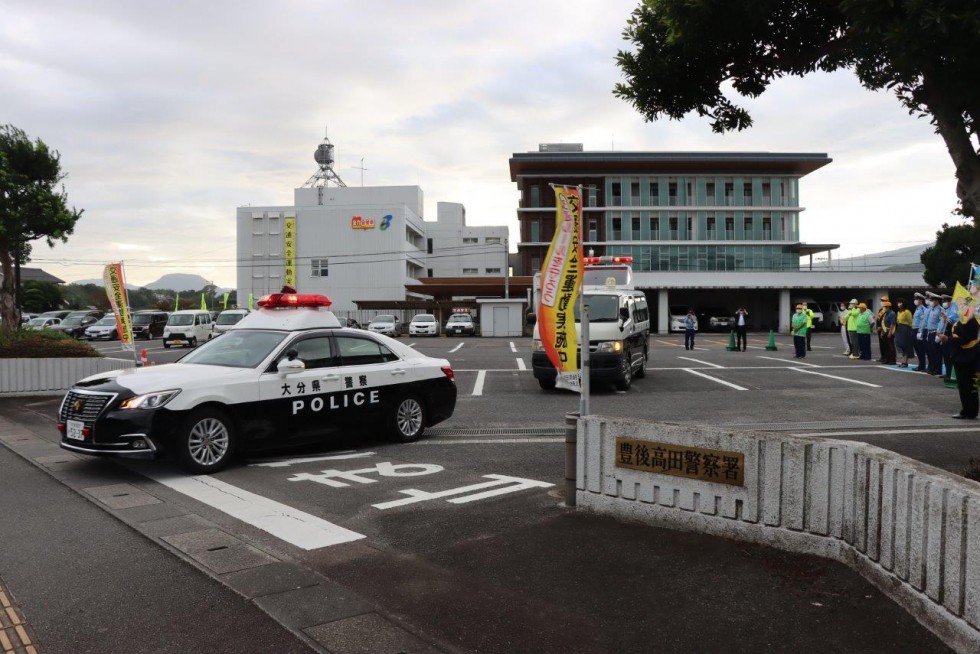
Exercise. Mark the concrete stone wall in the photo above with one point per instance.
(51, 376)
(911, 529)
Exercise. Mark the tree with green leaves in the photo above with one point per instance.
(948, 261)
(33, 205)
(685, 55)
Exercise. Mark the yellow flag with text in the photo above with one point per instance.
(115, 288)
(561, 281)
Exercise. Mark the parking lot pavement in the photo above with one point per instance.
(464, 536)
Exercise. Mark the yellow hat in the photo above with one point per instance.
(884, 298)
(862, 306)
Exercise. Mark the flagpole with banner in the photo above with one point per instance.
(115, 287)
(561, 283)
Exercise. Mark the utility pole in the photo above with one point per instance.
(506, 270)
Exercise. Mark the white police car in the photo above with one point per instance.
(284, 373)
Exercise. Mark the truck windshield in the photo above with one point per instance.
(602, 308)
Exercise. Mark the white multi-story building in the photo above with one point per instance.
(363, 243)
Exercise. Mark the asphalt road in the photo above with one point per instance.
(464, 535)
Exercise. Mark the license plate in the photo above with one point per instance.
(75, 428)
(177, 341)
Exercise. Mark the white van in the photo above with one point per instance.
(227, 319)
(619, 328)
(188, 328)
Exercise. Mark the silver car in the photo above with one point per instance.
(385, 323)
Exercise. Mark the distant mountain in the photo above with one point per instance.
(178, 282)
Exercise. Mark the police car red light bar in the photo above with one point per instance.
(607, 259)
(293, 300)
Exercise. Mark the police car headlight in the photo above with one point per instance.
(149, 400)
(610, 346)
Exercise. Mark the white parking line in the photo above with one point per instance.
(715, 379)
(520, 364)
(285, 463)
(478, 386)
(513, 348)
(301, 529)
(456, 348)
(485, 441)
(823, 374)
(788, 362)
(713, 365)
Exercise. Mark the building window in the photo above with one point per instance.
(429, 272)
(690, 193)
(273, 224)
(766, 228)
(672, 225)
(654, 193)
(672, 193)
(748, 227)
(535, 196)
(257, 226)
(636, 227)
(593, 196)
(712, 234)
(493, 271)
(471, 271)
(428, 245)
(729, 194)
(690, 228)
(766, 194)
(535, 231)
(470, 240)
(617, 229)
(535, 264)
(617, 194)
(493, 240)
(747, 193)
(593, 230)
(654, 228)
(318, 268)
(730, 228)
(635, 194)
(710, 193)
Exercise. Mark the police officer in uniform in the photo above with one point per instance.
(963, 339)
(948, 319)
(918, 321)
(930, 332)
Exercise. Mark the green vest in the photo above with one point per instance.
(852, 315)
(808, 312)
(864, 321)
(799, 324)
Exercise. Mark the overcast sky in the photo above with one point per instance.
(168, 116)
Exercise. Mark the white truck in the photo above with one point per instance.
(619, 325)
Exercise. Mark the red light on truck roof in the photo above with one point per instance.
(606, 259)
(293, 300)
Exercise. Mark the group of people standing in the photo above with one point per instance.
(932, 331)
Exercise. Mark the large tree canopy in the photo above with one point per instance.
(685, 54)
(33, 205)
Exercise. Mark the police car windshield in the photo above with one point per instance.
(243, 348)
(602, 308)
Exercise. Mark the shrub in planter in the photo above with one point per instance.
(44, 344)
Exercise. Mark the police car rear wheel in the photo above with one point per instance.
(408, 420)
(206, 441)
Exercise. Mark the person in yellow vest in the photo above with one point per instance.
(879, 318)
(798, 330)
(963, 340)
(852, 315)
(808, 312)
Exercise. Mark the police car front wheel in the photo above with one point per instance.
(408, 419)
(206, 441)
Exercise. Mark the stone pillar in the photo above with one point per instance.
(663, 312)
(785, 311)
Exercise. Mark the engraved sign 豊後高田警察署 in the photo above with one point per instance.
(718, 466)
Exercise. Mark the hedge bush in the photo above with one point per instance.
(44, 344)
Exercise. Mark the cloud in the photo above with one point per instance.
(168, 116)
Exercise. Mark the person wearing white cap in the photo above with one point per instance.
(842, 319)
(918, 322)
(852, 321)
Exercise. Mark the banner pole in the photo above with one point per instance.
(122, 273)
(585, 361)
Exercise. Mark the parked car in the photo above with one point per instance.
(149, 324)
(677, 316)
(42, 323)
(460, 324)
(188, 327)
(27, 317)
(60, 314)
(387, 324)
(76, 322)
(104, 329)
(226, 319)
(349, 323)
(424, 324)
(716, 319)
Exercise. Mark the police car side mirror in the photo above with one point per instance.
(290, 366)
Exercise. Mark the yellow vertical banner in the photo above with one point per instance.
(289, 250)
(115, 288)
(561, 280)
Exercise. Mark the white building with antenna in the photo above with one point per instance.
(359, 243)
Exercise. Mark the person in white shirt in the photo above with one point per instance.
(741, 328)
